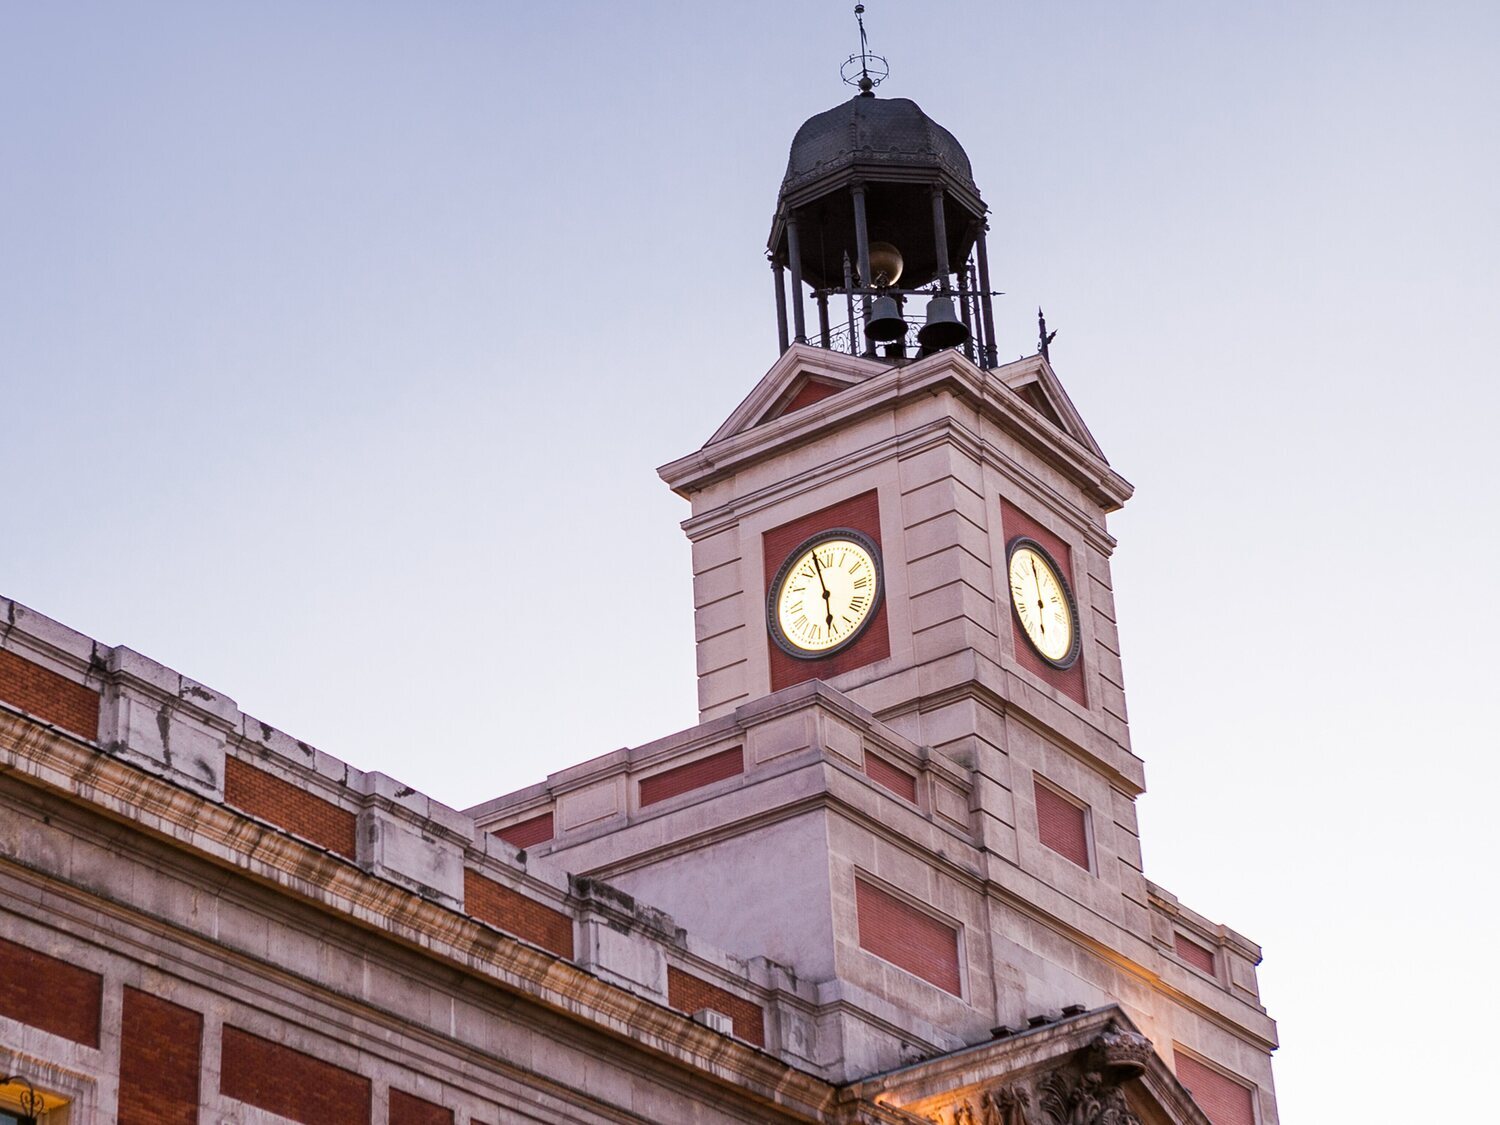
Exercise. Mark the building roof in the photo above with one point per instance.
(867, 130)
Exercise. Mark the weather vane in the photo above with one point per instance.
(864, 69)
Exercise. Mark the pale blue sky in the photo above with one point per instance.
(321, 324)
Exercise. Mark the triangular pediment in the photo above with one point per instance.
(1039, 388)
(1023, 396)
(802, 376)
(1095, 1067)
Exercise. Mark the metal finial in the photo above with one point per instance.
(1044, 337)
(872, 70)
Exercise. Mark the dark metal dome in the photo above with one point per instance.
(883, 132)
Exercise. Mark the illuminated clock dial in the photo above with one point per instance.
(825, 594)
(1043, 603)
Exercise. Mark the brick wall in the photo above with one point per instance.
(42, 692)
(1068, 680)
(1193, 953)
(514, 913)
(862, 513)
(160, 1049)
(897, 780)
(808, 393)
(529, 832)
(688, 993)
(287, 1082)
(693, 775)
(1061, 824)
(1225, 1101)
(266, 796)
(50, 994)
(898, 932)
(408, 1109)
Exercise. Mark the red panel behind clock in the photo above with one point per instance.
(861, 513)
(1068, 680)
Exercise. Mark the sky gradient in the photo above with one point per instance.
(339, 344)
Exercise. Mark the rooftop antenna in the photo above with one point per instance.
(1044, 337)
(871, 70)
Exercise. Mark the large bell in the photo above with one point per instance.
(885, 321)
(943, 328)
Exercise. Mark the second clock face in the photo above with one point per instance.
(1043, 603)
(825, 594)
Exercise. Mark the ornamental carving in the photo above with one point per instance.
(1087, 1090)
(1120, 1053)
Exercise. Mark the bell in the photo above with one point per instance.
(886, 264)
(885, 321)
(943, 328)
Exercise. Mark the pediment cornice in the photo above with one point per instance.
(1090, 1069)
(870, 387)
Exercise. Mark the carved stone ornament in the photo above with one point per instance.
(1121, 1054)
(1085, 1091)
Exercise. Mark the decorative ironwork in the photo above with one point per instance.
(31, 1104)
(871, 70)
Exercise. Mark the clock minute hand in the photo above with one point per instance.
(1041, 604)
(827, 603)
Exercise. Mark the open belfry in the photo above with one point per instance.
(892, 876)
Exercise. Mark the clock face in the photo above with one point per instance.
(1043, 603)
(825, 594)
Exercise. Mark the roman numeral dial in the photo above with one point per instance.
(825, 593)
(1043, 603)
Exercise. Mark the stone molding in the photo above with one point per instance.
(988, 392)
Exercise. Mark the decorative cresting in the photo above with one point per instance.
(1087, 1090)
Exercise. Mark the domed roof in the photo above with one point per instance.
(869, 130)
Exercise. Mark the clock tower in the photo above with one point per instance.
(911, 793)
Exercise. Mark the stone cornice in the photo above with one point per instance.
(67, 766)
(985, 391)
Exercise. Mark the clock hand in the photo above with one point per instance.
(1040, 604)
(827, 604)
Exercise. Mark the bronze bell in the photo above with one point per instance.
(943, 328)
(885, 321)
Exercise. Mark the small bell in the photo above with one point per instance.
(943, 328)
(885, 321)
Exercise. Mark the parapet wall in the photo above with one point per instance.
(323, 830)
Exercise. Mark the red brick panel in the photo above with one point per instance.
(694, 775)
(1225, 1101)
(1062, 825)
(810, 392)
(160, 1048)
(862, 513)
(49, 993)
(897, 780)
(1193, 953)
(408, 1109)
(514, 913)
(1068, 680)
(688, 993)
(903, 935)
(42, 692)
(525, 833)
(266, 796)
(276, 1078)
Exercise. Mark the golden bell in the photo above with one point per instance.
(886, 264)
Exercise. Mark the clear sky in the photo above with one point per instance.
(339, 344)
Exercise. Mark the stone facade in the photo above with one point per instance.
(829, 901)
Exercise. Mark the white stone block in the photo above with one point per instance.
(588, 805)
(394, 846)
